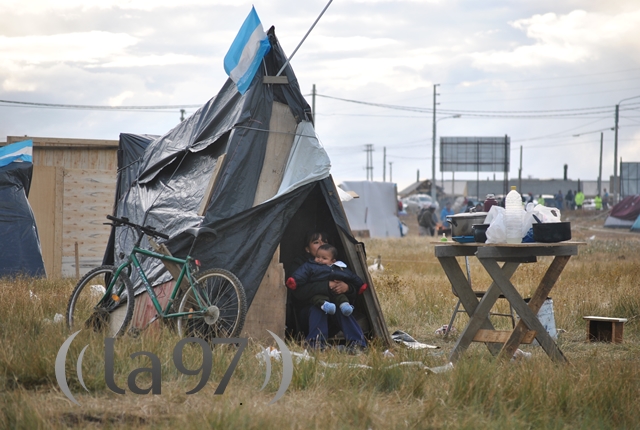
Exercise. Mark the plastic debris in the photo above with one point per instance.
(443, 330)
(441, 369)
(57, 319)
(520, 355)
(403, 338)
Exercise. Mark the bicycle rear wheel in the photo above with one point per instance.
(221, 294)
(90, 307)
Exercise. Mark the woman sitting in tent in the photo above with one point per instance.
(319, 321)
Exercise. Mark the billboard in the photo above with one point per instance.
(629, 179)
(474, 154)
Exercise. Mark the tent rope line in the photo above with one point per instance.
(275, 131)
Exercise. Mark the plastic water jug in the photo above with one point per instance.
(514, 214)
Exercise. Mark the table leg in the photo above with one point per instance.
(528, 314)
(478, 311)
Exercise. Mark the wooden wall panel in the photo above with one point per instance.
(88, 198)
(42, 198)
(276, 155)
(268, 310)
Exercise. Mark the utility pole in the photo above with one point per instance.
(520, 172)
(614, 187)
(600, 170)
(384, 164)
(369, 150)
(313, 106)
(390, 171)
(433, 148)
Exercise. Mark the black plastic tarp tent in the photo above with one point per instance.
(20, 252)
(233, 129)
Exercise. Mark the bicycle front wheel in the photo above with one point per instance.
(221, 296)
(92, 307)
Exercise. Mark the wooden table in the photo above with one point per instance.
(479, 327)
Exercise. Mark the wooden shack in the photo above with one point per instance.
(72, 189)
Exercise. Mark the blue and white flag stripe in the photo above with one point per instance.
(19, 151)
(247, 50)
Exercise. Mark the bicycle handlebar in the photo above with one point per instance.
(148, 230)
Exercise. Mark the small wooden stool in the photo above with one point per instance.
(604, 329)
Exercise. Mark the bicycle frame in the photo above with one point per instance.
(185, 271)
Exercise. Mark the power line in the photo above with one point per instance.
(561, 77)
(550, 113)
(95, 107)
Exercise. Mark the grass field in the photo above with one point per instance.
(599, 388)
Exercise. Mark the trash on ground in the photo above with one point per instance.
(441, 369)
(520, 355)
(443, 330)
(403, 338)
(57, 319)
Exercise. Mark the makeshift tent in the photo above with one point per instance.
(20, 253)
(249, 166)
(624, 213)
(375, 211)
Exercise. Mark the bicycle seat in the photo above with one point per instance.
(195, 231)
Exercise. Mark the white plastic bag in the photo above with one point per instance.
(497, 231)
(546, 214)
(493, 212)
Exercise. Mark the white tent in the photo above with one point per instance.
(376, 209)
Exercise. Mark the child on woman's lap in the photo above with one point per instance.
(326, 267)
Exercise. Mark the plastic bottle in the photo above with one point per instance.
(514, 215)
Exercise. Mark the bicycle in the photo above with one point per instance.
(213, 306)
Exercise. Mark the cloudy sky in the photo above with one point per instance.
(538, 71)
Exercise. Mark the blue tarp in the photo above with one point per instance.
(20, 252)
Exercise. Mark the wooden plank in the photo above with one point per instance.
(283, 127)
(275, 80)
(592, 318)
(77, 158)
(88, 198)
(208, 192)
(56, 141)
(497, 253)
(171, 267)
(268, 308)
(478, 311)
(501, 336)
(528, 314)
(57, 222)
(42, 198)
(454, 251)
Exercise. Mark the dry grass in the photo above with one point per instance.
(600, 388)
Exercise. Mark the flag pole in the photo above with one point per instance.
(303, 39)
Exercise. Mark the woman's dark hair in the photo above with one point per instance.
(315, 235)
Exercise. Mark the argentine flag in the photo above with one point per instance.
(246, 52)
(19, 151)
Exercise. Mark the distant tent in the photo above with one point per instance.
(20, 253)
(376, 209)
(249, 166)
(636, 225)
(624, 213)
